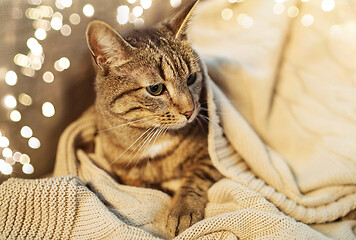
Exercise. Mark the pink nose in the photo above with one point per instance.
(188, 114)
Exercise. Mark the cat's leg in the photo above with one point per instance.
(188, 205)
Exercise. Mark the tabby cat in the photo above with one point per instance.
(150, 101)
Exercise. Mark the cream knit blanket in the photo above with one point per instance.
(282, 131)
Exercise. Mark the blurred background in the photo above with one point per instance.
(46, 75)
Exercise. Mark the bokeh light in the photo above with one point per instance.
(11, 78)
(146, 4)
(307, 20)
(26, 132)
(48, 109)
(88, 10)
(34, 143)
(15, 116)
(226, 14)
(175, 3)
(9, 102)
(25, 99)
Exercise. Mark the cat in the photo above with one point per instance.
(150, 107)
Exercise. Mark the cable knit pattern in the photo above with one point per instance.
(38, 209)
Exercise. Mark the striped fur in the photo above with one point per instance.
(151, 140)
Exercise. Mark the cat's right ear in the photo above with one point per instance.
(106, 45)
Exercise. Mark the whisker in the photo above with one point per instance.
(131, 145)
(154, 136)
(121, 125)
(144, 141)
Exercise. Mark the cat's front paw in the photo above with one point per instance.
(183, 215)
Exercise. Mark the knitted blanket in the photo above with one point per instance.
(282, 132)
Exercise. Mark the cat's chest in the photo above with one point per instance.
(159, 149)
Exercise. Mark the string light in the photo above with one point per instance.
(48, 77)
(327, 5)
(175, 3)
(25, 99)
(244, 20)
(11, 78)
(146, 4)
(278, 8)
(15, 116)
(27, 168)
(26, 132)
(123, 14)
(226, 14)
(34, 143)
(9, 102)
(40, 34)
(137, 11)
(74, 19)
(307, 20)
(88, 10)
(293, 11)
(4, 142)
(48, 109)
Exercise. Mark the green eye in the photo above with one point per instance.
(156, 90)
(191, 79)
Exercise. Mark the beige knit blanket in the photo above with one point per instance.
(282, 131)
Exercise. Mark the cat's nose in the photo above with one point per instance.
(188, 114)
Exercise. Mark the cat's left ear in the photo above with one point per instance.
(179, 23)
(106, 45)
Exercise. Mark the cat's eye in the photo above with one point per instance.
(156, 90)
(191, 79)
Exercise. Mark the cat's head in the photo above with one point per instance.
(151, 73)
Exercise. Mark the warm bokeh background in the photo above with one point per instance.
(35, 35)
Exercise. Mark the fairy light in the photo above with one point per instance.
(48, 109)
(88, 10)
(146, 4)
(139, 22)
(4, 142)
(66, 30)
(137, 11)
(15, 116)
(11, 78)
(327, 5)
(34, 143)
(175, 3)
(307, 20)
(10, 160)
(244, 20)
(27, 168)
(48, 77)
(226, 14)
(293, 11)
(25, 99)
(24, 158)
(9, 102)
(7, 152)
(40, 34)
(131, 1)
(278, 8)
(66, 3)
(74, 19)
(123, 14)
(22, 60)
(56, 23)
(5, 168)
(26, 132)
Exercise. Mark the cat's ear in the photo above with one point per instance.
(179, 23)
(106, 45)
